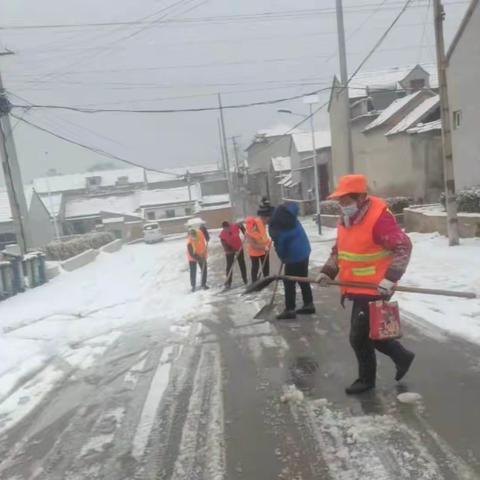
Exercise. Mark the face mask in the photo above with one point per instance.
(350, 210)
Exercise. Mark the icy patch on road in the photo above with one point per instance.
(409, 397)
(202, 447)
(78, 315)
(107, 426)
(380, 447)
(152, 402)
(28, 397)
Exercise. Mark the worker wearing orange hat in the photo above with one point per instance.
(370, 248)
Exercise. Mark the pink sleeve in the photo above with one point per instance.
(390, 236)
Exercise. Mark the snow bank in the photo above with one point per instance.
(433, 265)
(79, 314)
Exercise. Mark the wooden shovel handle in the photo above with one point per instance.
(398, 288)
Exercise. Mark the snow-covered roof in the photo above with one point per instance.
(281, 164)
(215, 199)
(276, 131)
(5, 212)
(113, 220)
(388, 78)
(150, 198)
(110, 178)
(426, 127)
(90, 206)
(416, 115)
(391, 110)
(303, 141)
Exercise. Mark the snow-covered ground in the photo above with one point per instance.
(78, 315)
(433, 265)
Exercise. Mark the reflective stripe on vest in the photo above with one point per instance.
(199, 245)
(360, 259)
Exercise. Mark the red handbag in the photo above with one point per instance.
(384, 320)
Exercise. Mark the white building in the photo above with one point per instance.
(464, 97)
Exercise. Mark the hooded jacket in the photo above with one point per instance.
(289, 238)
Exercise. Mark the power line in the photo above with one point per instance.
(168, 110)
(96, 150)
(265, 16)
(352, 76)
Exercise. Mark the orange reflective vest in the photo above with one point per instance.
(256, 236)
(199, 245)
(360, 259)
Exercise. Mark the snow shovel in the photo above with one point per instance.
(265, 282)
(230, 271)
(267, 309)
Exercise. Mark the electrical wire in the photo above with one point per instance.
(263, 16)
(98, 151)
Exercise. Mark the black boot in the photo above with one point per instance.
(308, 309)
(287, 315)
(205, 287)
(403, 367)
(359, 386)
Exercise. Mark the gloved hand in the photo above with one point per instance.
(323, 279)
(386, 287)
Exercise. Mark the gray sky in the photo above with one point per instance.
(248, 61)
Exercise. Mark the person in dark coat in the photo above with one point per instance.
(233, 247)
(293, 248)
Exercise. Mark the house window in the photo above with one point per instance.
(417, 84)
(188, 211)
(457, 119)
(170, 213)
(7, 239)
(151, 215)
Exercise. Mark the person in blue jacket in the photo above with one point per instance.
(293, 248)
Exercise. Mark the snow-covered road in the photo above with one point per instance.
(117, 372)
(71, 322)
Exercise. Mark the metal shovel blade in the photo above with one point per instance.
(265, 313)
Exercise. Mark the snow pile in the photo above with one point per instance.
(291, 394)
(433, 265)
(78, 315)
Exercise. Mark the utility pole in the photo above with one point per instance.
(52, 207)
(225, 147)
(315, 172)
(13, 177)
(188, 179)
(220, 142)
(448, 171)
(344, 95)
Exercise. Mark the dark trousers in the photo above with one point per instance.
(299, 269)
(193, 272)
(230, 257)
(256, 262)
(364, 348)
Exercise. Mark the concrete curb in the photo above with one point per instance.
(80, 260)
(112, 247)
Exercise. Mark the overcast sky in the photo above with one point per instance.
(183, 64)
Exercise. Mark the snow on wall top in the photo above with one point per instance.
(281, 164)
(303, 141)
(416, 115)
(391, 110)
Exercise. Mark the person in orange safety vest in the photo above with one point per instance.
(197, 253)
(257, 240)
(370, 248)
